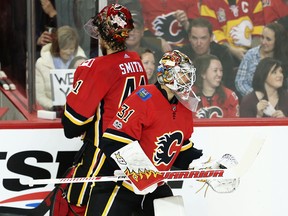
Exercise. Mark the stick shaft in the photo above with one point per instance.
(235, 172)
(168, 175)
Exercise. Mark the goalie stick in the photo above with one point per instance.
(239, 170)
(246, 162)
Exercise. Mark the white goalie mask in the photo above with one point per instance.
(177, 72)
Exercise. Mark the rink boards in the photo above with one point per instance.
(31, 152)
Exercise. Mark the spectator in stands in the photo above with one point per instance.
(276, 11)
(76, 61)
(237, 24)
(45, 22)
(217, 101)
(273, 44)
(55, 55)
(169, 20)
(75, 13)
(269, 97)
(148, 61)
(138, 42)
(201, 43)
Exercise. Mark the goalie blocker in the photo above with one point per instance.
(134, 163)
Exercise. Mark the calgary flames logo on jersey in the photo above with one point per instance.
(167, 27)
(168, 145)
(209, 112)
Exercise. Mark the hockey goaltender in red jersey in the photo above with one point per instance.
(150, 133)
(100, 85)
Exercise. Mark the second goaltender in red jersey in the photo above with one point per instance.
(100, 86)
(162, 129)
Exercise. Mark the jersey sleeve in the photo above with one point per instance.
(209, 13)
(258, 18)
(89, 87)
(270, 14)
(243, 79)
(193, 9)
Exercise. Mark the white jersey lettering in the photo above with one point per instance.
(131, 67)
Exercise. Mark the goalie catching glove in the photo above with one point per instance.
(227, 161)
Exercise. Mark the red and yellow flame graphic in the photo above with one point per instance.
(142, 174)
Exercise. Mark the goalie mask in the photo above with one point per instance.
(177, 72)
(113, 23)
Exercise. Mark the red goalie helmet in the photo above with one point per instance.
(113, 23)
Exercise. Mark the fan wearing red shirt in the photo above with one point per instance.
(217, 101)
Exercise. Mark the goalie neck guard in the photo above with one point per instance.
(113, 23)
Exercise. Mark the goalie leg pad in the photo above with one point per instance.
(169, 206)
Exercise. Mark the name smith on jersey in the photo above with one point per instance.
(131, 67)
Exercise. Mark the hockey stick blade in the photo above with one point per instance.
(238, 171)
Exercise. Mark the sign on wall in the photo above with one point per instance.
(61, 85)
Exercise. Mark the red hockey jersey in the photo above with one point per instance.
(211, 107)
(274, 10)
(100, 86)
(235, 24)
(162, 129)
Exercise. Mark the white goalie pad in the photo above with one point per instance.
(134, 163)
(169, 206)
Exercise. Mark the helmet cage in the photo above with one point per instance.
(184, 77)
(177, 72)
